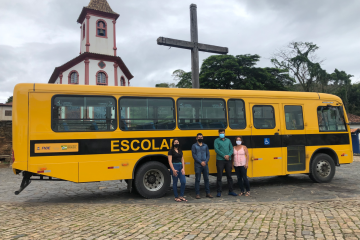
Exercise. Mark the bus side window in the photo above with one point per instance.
(236, 110)
(264, 117)
(331, 119)
(294, 118)
(198, 113)
(146, 114)
(83, 114)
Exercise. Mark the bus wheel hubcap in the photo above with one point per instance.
(323, 167)
(153, 180)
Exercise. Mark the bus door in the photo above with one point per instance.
(266, 140)
(294, 138)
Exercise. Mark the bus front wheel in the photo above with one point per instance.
(322, 169)
(152, 180)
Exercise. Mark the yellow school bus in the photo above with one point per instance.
(101, 133)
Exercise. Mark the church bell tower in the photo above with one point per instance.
(98, 34)
(98, 63)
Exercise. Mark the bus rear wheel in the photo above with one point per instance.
(152, 180)
(322, 169)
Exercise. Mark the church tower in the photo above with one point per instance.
(98, 32)
(98, 63)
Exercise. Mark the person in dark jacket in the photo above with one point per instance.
(201, 155)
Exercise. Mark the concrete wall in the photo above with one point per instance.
(2, 113)
(5, 137)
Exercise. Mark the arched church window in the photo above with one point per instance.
(101, 78)
(122, 81)
(101, 28)
(73, 77)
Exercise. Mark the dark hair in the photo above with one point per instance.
(221, 130)
(199, 134)
(172, 144)
(242, 140)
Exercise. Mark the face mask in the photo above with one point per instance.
(200, 140)
(176, 145)
(222, 135)
(238, 142)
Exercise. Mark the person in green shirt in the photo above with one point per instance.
(224, 150)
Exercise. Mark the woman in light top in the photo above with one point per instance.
(241, 163)
(177, 169)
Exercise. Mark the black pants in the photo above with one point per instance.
(241, 173)
(221, 165)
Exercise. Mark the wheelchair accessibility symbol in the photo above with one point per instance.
(266, 141)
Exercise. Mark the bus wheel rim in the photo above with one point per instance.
(323, 167)
(153, 180)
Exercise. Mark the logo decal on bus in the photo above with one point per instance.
(56, 147)
(266, 141)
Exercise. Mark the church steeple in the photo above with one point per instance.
(97, 63)
(100, 5)
(98, 33)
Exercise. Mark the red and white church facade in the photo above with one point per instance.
(97, 63)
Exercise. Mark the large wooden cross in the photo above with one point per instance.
(194, 46)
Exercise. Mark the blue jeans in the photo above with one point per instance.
(182, 178)
(205, 172)
(241, 173)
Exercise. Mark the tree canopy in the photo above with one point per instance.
(299, 59)
(9, 100)
(182, 78)
(240, 72)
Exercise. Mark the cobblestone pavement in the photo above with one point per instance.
(286, 220)
(279, 208)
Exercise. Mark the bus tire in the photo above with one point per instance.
(152, 180)
(322, 169)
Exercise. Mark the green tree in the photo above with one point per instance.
(239, 72)
(182, 78)
(165, 85)
(299, 59)
(342, 85)
(10, 99)
(354, 99)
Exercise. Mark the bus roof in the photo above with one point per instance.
(169, 92)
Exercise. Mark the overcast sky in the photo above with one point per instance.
(39, 35)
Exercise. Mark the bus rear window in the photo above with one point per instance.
(331, 119)
(83, 113)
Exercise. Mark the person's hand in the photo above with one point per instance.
(203, 163)
(246, 166)
(183, 171)
(175, 173)
(226, 157)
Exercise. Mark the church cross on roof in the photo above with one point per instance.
(100, 5)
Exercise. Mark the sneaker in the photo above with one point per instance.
(209, 195)
(197, 196)
(218, 194)
(232, 194)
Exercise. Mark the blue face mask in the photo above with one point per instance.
(222, 135)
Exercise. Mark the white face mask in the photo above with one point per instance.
(238, 142)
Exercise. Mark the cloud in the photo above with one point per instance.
(43, 35)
